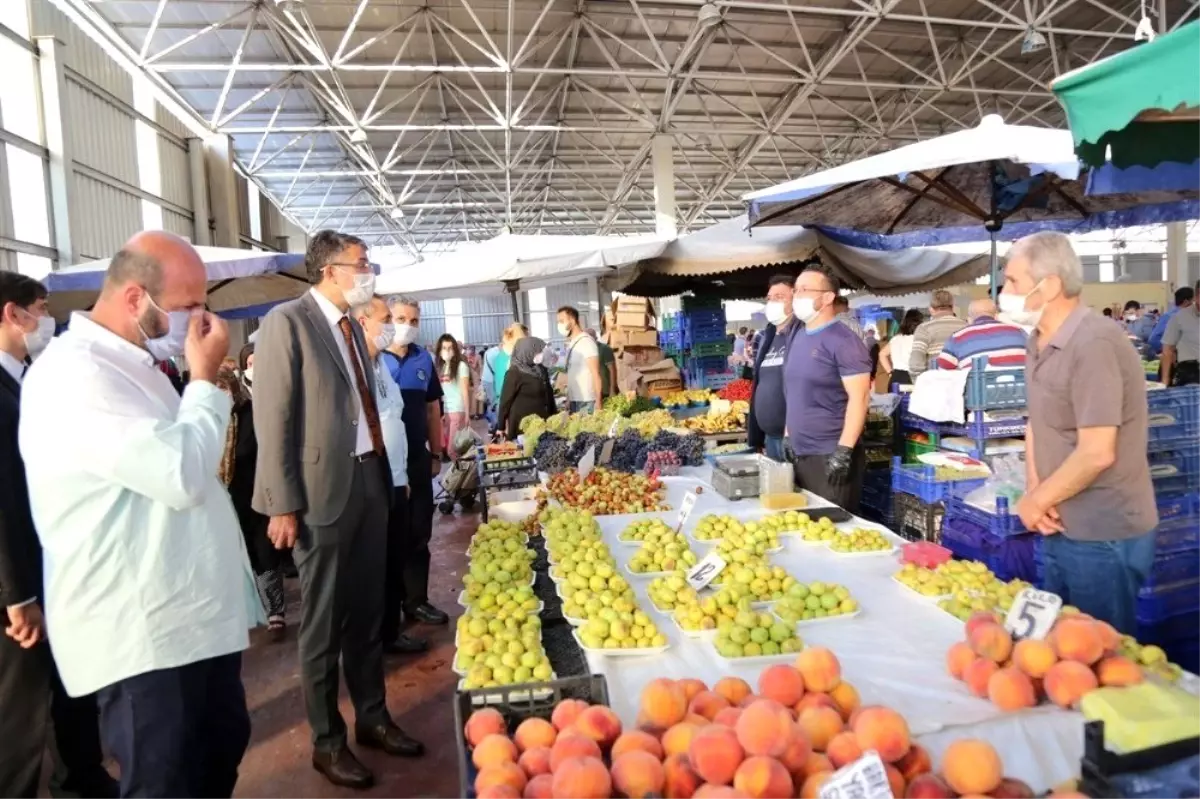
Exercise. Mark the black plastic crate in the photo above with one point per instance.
(917, 520)
(1100, 767)
(517, 703)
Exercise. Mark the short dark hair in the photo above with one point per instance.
(322, 247)
(820, 269)
(571, 313)
(21, 290)
(1133, 305)
(841, 302)
(1185, 294)
(129, 266)
(1107, 312)
(780, 280)
(742, 330)
(911, 321)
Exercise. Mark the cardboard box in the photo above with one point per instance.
(641, 356)
(634, 304)
(634, 320)
(622, 338)
(662, 388)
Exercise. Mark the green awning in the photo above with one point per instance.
(1142, 103)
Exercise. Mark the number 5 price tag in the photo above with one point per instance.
(865, 778)
(706, 570)
(685, 510)
(1033, 613)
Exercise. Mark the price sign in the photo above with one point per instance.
(587, 463)
(706, 570)
(685, 509)
(612, 429)
(1033, 613)
(865, 778)
(606, 451)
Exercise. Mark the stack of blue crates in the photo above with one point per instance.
(702, 335)
(997, 539)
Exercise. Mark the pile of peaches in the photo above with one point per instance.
(1079, 655)
(784, 741)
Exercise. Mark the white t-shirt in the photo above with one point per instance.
(901, 350)
(579, 374)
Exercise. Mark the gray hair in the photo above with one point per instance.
(1050, 253)
(130, 266)
(364, 309)
(402, 299)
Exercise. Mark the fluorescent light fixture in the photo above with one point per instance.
(1033, 41)
(709, 15)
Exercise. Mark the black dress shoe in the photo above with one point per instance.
(390, 738)
(405, 645)
(342, 768)
(427, 614)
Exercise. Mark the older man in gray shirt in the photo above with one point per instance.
(1088, 488)
(1181, 347)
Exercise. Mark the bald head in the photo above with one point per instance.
(982, 307)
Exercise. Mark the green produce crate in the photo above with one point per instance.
(712, 348)
(914, 448)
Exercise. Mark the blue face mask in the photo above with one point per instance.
(172, 342)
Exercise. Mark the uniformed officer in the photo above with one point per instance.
(412, 369)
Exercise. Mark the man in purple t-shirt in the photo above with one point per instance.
(827, 383)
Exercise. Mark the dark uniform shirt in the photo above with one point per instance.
(419, 386)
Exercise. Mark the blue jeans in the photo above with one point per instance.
(582, 407)
(775, 448)
(1100, 578)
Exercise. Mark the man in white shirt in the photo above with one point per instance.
(148, 590)
(583, 363)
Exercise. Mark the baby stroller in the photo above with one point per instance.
(460, 485)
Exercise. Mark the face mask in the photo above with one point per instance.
(563, 330)
(248, 375)
(386, 334)
(804, 308)
(447, 354)
(776, 312)
(362, 290)
(172, 342)
(405, 335)
(538, 358)
(37, 339)
(1012, 308)
(1130, 317)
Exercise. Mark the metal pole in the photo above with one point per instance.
(995, 268)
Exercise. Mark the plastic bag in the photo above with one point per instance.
(1007, 480)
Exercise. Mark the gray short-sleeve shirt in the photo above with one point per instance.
(1183, 333)
(1089, 375)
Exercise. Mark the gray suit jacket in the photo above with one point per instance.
(305, 414)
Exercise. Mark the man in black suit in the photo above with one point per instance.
(30, 690)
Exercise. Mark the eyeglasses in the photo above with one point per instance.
(361, 266)
(799, 290)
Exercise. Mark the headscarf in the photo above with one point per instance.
(524, 351)
(227, 381)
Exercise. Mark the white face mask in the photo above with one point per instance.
(386, 333)
(447, 353)
(563, 330)
(805, 309)
(171, 343)
(37, 339)
(538, 358)
(776, 312)
(362, 290)
(248, 375)
(1130, 317)
(1012, 308)
(405, 335)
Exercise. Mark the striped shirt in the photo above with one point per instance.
(928, 340)
(1003, 345)
(849, 321)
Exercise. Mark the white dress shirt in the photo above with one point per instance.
(334, 317)
(145, 566)
(15, 368)
(391, 421)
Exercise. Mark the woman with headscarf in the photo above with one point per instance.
(237, 474)
(527, 390)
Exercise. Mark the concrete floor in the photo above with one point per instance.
(420, 697)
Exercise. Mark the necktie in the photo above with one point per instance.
(368, 399)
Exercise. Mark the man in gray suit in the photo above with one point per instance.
(324, 481)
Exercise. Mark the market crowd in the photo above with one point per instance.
(146, 521)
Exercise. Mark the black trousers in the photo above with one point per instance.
(342, 568)
(180, 731)
(31, 697)
(810, 475)
(397, 544)
(415, 552)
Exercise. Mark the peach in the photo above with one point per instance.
(895, 780)
(781, 683)
(846, 699)
(971, 766)
(748, 700)
(843, 748)
(663, 703)
(762, 778)
(1077, 639)
(692, 718)
(494, 750)
(707, 705)
(715, 754)
(915, 763)
(499, 792)
(483, 723)
(811, 788)
(1010, 689)
(680, 780)
(733, 689)
(816, 763)
(710, 791)
(678, 739)
(1068, 681)
(506, 774)
(819, 725)
(1011, 789)
(582, 778)
(1108, 636)
(691, 686)
(534, 732)
(540, 787)
(884, 730)
(535, 761)
(928, 786)
(572, 745)
(796, 755)
(638, 774)
(977, 674)
(565, 713)
(635, 740)
(991, 642)
(820, 669)
(765, 728)
(815, 699)
(728, 717)
(600, 724)
(1119, 671)
(958, 657)
(1034, 657)
(980, 618)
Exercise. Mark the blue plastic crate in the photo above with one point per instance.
(910, 421)
(1183, 627)
(1185, 654)
(1173, 567)
(1184, 460)
(1166, 482)
(996, 388)
(964, 540)
(708, 363)
(1000, 523)
(1174, 414)
(716, 381)
(1158, 602)
(978, 429)
(670, 322)
(921, 481)
(1010, 557)
(1175, 507)
(704, 334)
(703, 316)
(671, 339)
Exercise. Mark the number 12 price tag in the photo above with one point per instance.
(685, 510)
(865, 778)
(706, 570)
(1033, 613)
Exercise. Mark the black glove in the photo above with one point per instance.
(837, 466)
